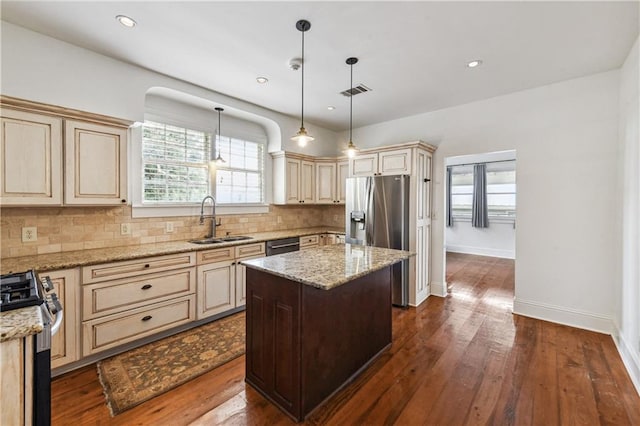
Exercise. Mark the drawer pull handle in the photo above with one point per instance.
(147, 318)
(147, 265)
(146, 286)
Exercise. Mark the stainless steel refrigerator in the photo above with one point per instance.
(377, 211)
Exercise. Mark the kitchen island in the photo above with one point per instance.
(316, 319)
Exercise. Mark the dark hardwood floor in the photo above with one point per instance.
(464, 359)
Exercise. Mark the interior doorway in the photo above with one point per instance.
(480, 223)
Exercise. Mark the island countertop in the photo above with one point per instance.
(20, 323)
(327, 267)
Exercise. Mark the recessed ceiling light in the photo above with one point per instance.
(474, 63)
(331, 107)
(262, 80)
(126, 21)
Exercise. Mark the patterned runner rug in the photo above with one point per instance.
(140, 374)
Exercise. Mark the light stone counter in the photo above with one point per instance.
(20, 323)
(327, 267)
(72, 259)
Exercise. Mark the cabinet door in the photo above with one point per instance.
(325, 183)
(341, 181)
(307, 182)
(292, 182)
(30, 159)
(363, 165)
(216, 289)
(65, 344)
(241, 281)
(95, 164)
(397, 162)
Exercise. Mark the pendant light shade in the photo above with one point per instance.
(351, 150)
(219, 159)
(302, 137)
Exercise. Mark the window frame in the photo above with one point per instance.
(139, 209)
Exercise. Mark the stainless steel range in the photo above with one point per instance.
(21, 290)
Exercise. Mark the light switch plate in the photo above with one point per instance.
(168, 227)
(125, 229)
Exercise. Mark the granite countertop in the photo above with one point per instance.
(327, 267)
(72, 259)
(20, 323)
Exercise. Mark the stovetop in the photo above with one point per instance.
(20, 290)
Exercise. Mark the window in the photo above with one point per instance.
(501, 190)
(175, 164)
(240, 179)
(176, 167)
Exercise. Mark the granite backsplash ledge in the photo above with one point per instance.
(61, 229)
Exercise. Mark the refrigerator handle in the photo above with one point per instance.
(369, 219)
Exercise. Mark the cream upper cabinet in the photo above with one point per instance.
(331, 182)
(341, 184)
(393, 162)
(95, 164)
(293, 179)
(364, 165)
(325, 183)
(30, 159)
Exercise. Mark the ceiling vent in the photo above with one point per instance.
(356, 90)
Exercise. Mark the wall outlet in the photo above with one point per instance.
(29, 234)
(335, 217)
(125, 229)
(168, 227)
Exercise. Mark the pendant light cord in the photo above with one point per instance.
(351, 106)
(302, 115)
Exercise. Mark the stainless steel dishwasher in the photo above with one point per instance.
(284, 245)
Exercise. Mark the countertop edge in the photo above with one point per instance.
(20, 323)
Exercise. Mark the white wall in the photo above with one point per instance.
(627, 296)
(40, 68)
(498, 240)
(565, 136)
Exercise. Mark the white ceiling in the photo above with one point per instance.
(412, 54)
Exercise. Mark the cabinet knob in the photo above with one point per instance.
(123, 200)
(147, 265)
(146, 287)
(147, 318)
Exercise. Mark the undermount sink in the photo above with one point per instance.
(220, 240)
(206, 241)
(236, 238)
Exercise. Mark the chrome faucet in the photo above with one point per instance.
(212, 230)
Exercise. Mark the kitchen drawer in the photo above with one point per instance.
(309, 241)
(250, 250)
(111, 297)
(127, 268)
(114, 330)
(217, 255)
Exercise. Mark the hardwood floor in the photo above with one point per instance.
(461, 360)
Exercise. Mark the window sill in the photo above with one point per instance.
(194, 210)
(492, 219)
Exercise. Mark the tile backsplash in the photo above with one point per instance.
(62, 229)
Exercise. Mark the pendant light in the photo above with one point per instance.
(351, 148)
(219, 159)
(302, 137)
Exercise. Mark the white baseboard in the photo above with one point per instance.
(482, 251)
(629, 358)
(565, 316)
(439, 289)
(421, 297)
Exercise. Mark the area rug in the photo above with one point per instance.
(140, 374)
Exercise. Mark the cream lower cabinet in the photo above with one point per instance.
(222, 279)
(125, 301)
(16, 381)
(30, 158)
(310, 241)
(65, 344)
(245, 252)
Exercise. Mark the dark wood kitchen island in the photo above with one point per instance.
(315, 319)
